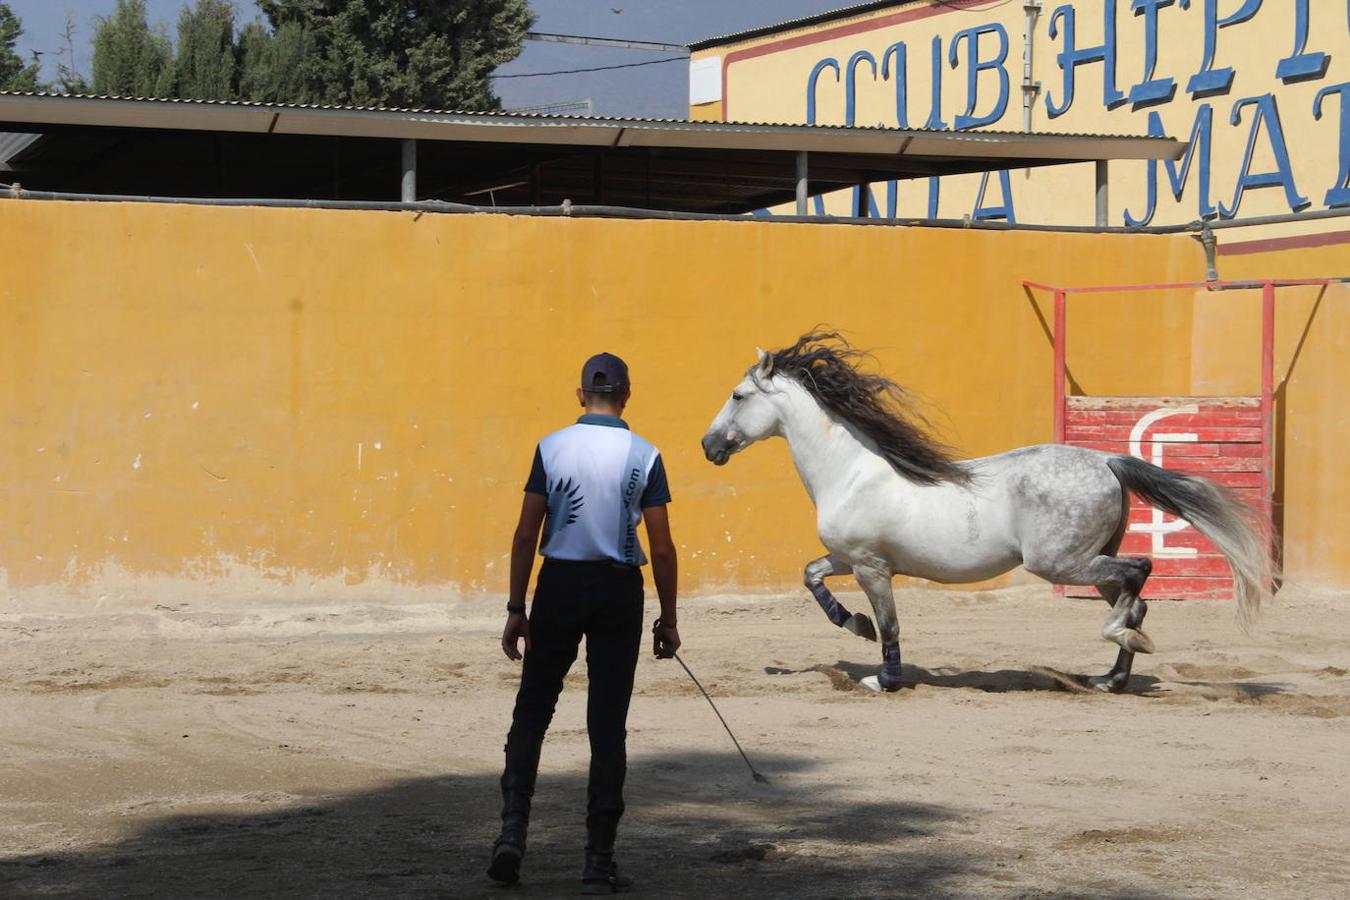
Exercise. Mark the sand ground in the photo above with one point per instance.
(325, 751)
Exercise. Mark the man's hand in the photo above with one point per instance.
(665, 639)
(517, 627)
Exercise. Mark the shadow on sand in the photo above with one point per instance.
(846, 675)
(696, 825)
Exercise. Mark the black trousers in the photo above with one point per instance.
(602, 602)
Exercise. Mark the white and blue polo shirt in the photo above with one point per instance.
(598, 477)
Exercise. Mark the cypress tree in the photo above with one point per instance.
(15, 75)
(131, 60)
(205, 68)
(411, 53)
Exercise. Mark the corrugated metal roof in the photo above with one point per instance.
(234, 149)
(13, 143)
(584, 131)
(801, 22)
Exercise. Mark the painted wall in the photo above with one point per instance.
(1259, 86)
(259, 402)
(1312, 403)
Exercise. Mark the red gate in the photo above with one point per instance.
(1228, 439)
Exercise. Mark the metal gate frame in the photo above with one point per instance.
(1267, 395)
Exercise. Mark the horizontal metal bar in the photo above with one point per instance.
(1191, 285)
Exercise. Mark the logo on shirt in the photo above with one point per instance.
(565, 501)
(630, 490)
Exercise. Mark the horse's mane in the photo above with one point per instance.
(826, 365)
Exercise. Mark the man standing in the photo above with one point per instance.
(590, 486)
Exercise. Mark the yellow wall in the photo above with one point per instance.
(304, 396)
(1312, 344)
(772, 87)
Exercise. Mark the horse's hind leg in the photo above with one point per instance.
(1119, 676)
(814, 577)
(1127, 609)
(1125, 614)
(876, 584)
(1120, 579)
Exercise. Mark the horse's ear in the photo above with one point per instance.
(765, 364)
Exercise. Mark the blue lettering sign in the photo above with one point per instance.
(863, 194)
(974, 66)
(1197, 150)
(901, 80)
(826, 63)
(851, 84)
(1004, 210)
(1073, 56)
(1268, 112)
(935, 113)
(1339, 195)
(1150, 91)
(1209, 80)
(1300, 66)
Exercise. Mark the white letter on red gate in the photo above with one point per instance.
(1157, 526)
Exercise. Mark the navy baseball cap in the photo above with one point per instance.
(604, 373)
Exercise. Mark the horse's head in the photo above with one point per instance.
(749, 414)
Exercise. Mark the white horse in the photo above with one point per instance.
(891, 501)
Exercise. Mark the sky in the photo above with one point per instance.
(659, 89)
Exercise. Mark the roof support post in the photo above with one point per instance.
(1103, 212)
(409, 192)
(802, 170)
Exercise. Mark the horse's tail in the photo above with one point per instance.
(1235, 527)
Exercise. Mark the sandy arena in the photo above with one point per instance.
(353, 752)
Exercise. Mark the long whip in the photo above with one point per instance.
(758, 777)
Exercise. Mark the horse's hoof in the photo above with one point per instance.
(861, 625)
(1136, 641)
(1108, 684)
(873, 684)
(1131, 639)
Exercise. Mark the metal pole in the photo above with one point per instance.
(1103, 212)
(801, 182)
(1268, 390)
(409, 193)
(1059, 338)
(1029, 87)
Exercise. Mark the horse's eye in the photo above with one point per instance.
(737, 397)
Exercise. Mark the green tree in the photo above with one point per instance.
(131, 60)
(409, 53)
(69, 80)
(205, 67)
(271, 63)
(14, 75)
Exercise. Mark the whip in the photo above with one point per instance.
(758, 777)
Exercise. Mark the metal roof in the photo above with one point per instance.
(12, 144)
(802, 22)
(230, 148)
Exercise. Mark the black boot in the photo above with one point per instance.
(509, 848)
(601, 874)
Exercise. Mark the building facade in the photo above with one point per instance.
(1260, 88)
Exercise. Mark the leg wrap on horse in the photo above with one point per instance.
(833, 609)
(889, 679)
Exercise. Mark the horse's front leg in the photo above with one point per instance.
(876, 583)
(814, 575)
